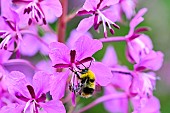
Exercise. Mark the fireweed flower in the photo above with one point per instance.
(7, 65)
(137, 84)
(138, 45)
(119, 82)
(81, 53)
(98, 16)
(143, 83)
(12, 30)
(9, 31)
(32, 95)
(119, 73)
(40, 10)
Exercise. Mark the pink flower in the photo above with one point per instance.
(12, 30)
(137, 84)
(32, 95)
(138, 45)
(99, 15)
(152, 61)
(143, 84)
(9, 30)
(6, 66)
(40, 10)
(81, 53)
(120, 73)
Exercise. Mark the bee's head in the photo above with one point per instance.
(85, 70)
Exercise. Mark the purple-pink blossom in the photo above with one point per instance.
(41, 11)
(32, 94)
(64, 57)
(98, 15)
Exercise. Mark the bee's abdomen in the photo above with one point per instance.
(87, 90)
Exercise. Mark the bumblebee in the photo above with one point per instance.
(86, 84)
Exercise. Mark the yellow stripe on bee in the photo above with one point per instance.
(89, 74)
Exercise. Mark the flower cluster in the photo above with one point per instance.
(41, 72)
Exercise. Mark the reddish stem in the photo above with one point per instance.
(62, 24)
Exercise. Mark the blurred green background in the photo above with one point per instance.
(158, 19)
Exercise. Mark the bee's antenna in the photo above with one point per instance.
(90, 64)
(81, 64)
(78, 67)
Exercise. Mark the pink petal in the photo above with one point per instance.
(115, 105)
(111, 15)
(41, 82)
(152, 106)
(25, 47)
(128, 6)
(90, 5)
(108, 3)
(103, 73)
(83, 51)
(51, 7)
(58, 84)
(146, 105)
(59, 53)
(23, 66)
(74, 36)
(53, 106)
(8, 12)
(4, 55)
(152, 61)
(24, 18)
(73, 98)
(85, 24)
(125, 77)
(110, 57)
(46, 66)
(146, 40)
(47, 38)
(12, 108)
(137, 20)
(138, 48)
(17, 83)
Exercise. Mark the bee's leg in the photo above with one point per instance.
(77, 75)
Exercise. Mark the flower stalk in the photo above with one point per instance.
(62, 23)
